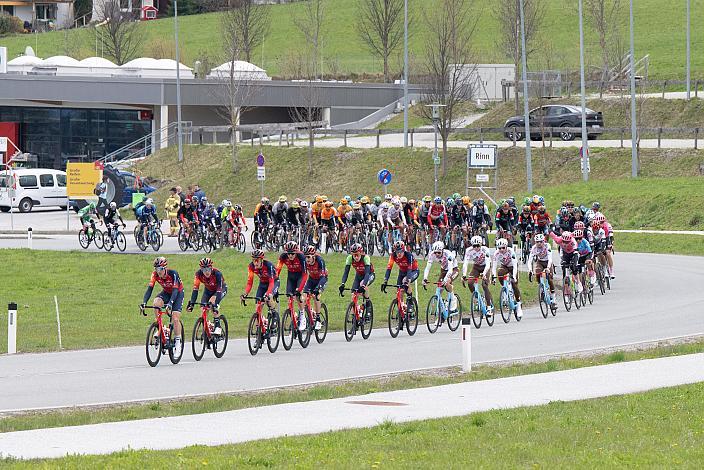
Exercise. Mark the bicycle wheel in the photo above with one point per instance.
(182, 241)
(287, 330)
(98, 239)
(199, 339)
(153, 345)
(505, 305)
(567, 294)
(475, 310)
(543, 301)
(394, 318)
(366, 326)
(207, 246)
(139, 239)
(600, 280)
(273, 337)
(174, 355)
(254, 335)
(321, 333)
(220, 341)
(304, 336)
(455, 318)
(83, 239)
(432, 317)
(107, 241)
(241, 243)
(121, 241)
(590, 293)
(194, 241)
(350, 322)
(577, 297)
(411, 316)
(607, 278)
(156, 240)
(490, 318)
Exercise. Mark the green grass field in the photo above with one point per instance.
(160, 409)
(668, 196)
(99, 295)
(656, 429)
(662, 36)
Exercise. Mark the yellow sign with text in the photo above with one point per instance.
(81, 179)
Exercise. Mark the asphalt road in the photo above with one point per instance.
(654, 297)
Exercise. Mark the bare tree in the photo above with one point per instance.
(117, 32)
(603, 16)
(251, 21)
(380, 27)
(308, 112)
(310, 22)
(507, 13)
(451, 26)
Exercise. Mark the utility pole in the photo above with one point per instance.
(405, 73)
(179, 131)
(688, 55)
(524, 77)
(634, 150)
(585, 149)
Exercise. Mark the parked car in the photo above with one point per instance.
(555, 115)
(121, 186)
(32, 187)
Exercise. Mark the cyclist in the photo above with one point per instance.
(479, 256)
(294, 215)
(535, 204)
(374, 208)
(480, 215)
(609, 234)
(327, 216)
(449, 271)
(564, 221)
(145, 214)
(585, 255)
(214, 290)
(279, 211)
(262, 214)
(363, 268)
(525, 223)
(542, 220)
(395, 219)
(268, 288)
(570, 255)
(109, 217)
(504, 220)
(589, 216)
(86, 219)
(188, 216)
(541, 253)
(437, 216)
(317, 280)
(505, 264)
(407, 267)
(342, 210)
(170, 297)
(211, 219)
(295, 263)
(424, 211)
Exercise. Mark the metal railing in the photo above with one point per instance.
(143, 146)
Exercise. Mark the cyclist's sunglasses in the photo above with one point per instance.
(503, 248)
(476, 246)
(160, 269)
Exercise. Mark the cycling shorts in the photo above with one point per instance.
(178, 303)
(315, 286)
(264, 286)
(207, 294)
(408, 276)
(293, 280)
(437, 222)
(358, 278)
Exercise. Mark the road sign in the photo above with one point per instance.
(3, 144)
(482, 178)
(261, 173)
(260, 159)
(481, 156)
(581, 157)
(384, 176)
(436, 157)
(81, 179)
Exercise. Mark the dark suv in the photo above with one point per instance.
(555, 115)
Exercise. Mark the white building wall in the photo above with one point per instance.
(64, 15)
(24, 12)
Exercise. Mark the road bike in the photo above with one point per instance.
(210, 238)
(438, 310)
(114, 237)
(153, 237)
(477, 306)
(86, 236)
(569, 288)
(526, 245)
(545, 298)
(159, 338)
(321, 318)
(507, 300)
(289, 325)
(188, 237)
(206, 335)
(261, 328)
(402, 311)
(359, 316)
(602, 274)
(587, 287)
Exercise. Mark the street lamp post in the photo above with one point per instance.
(524, 75)
(688, 55)
(179, 130)
(585, 149)
(634, 150)
(436, 156)
(405, 73)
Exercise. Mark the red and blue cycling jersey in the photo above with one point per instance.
(316, 269)
(407, 262)
(171, 284)
(266, 274)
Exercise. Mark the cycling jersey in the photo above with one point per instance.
(343, 209)
(395, 216)
(446, 259)
(584, 248)
(146, 213)
(316, 269)
(236, 219)
(504, 219)
(262, 212)
(279, 212)
(542, 219)
(410, 214)
(507, 259)
(438, 214)
(540, 253)
(297, 264)
(295, 216)
(407, 262)
(480, 215)
(363, 268)
(110, 215)
(478, 257)
(328, 213)
(187, 214)
(423, 211)
(171, 285)
(266, 274)
(354, 217)
(568, 248)
(214, 284)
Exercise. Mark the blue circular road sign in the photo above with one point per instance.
(384, 176)
(260, 159)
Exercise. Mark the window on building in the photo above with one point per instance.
(46, 11)
(9, 9)
(28, 181)
(46, 181)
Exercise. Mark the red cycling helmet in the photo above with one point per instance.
(311, 251)
(291, 247)
(160, 262)
(579, 225)
(206, 263)
(257, 254)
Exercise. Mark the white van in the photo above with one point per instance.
(32, 187)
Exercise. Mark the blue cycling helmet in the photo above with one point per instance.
(437, 200)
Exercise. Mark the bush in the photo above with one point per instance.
(10, 24)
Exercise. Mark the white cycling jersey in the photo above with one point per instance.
(447, 262)
(478, 257)
(507, 259)
(541, 253)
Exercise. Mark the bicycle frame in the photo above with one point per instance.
(543, 282)
(506, 284)
(258, 310)
(442, 305)
(205, 308)
(159, 312)
(480, 297)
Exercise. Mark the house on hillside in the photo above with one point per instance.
(42, 15)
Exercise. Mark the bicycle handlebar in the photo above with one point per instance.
(159, 309)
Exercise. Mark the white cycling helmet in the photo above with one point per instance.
(304, 204)
(227, 203)
(477, 240)
(388, 197)
(149, 201)
(501, 243)
(113, 205)
(539, 238)
(438, 246)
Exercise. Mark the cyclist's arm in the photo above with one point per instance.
(367, 269)
(465, 265)
(150, 288)
(196, 286)
(389, 267)
(250, 280)
(346, 273)
(304, 275)
(514, 266)
(428, 264)
(279, 266)
(493, 264)
(272, 280)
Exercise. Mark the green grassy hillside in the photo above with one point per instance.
(669, 195)
(660, 35)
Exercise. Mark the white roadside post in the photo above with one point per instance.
(466, 345)
(11, 328)
(29, 237)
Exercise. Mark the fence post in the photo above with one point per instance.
(345, 134)
(411, 137)
(200, 136)
(378, 134)
(664, 85)
(696, 88)
(261, 141)
(550, 137)
(481, 135)
(281, 136)
(622, 132)
(659, 135)
(696, 136)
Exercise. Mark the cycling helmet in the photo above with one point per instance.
(377, 200)
(438, 246)
(427, 199)
(328, 203)
(596, 206)
(228, 203)
(311, 251)
(450, 202)
(283, 198)
(477, 240)
(456, 196)
(148, 201)
(412, 202)
(526, 200)
(356, 206)
(404, 200)
(348, 198)
(291, 247)
(539, 238)
(437, 200)
(113, 205)
(541, 209)
(505, 205)
(258, 254)
(304, 204)
(563, 210)
(567, 237)
(480, 202)
(399, 246)
(194, 199)
(578, 234)
(325, 198)
(295, 205)
(318, 199)
(343, 201)
(160, 262)
(388, 197)
(536, 199)
(396, 203)
(599, 217)
(187, 202)
(206, 263)
(356, 248)
(466, 200)
(204, 199)
(364, 200)
(265, 200)
(501, 243)
(238, 208)
(526, 208)
(579, 225)
(541, 199)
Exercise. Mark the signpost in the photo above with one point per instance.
(482, 157)
(261, 171)
(81, 179)
(384, 176)
(584, 160)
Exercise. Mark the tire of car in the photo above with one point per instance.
(566, 135)
(513, 131)
(25, 205)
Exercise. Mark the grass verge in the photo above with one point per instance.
(225, 402)
(660, 243)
